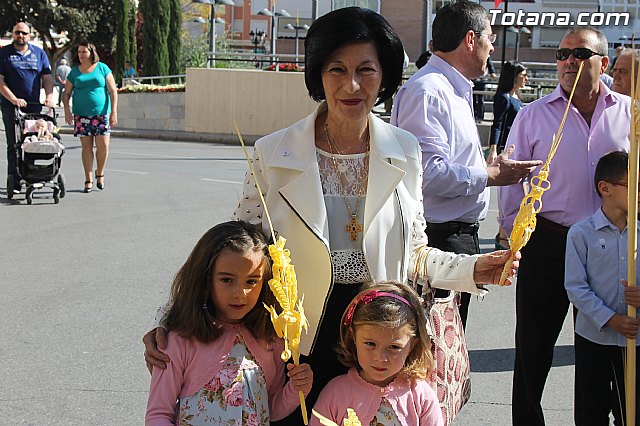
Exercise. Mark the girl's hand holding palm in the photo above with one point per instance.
(301, 376)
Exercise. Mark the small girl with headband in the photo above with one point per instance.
(383, 338)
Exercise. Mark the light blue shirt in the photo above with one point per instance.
(436, 105)
(595, 265)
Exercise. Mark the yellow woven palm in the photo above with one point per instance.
(290, 322)
(525, 221)
(351, 420)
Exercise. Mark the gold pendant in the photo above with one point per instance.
(353, 228)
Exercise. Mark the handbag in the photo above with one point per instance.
(451, 376)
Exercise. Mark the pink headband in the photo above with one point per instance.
(367, 298)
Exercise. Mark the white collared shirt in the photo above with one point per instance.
(436, 105)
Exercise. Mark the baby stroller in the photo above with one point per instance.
(39, 153)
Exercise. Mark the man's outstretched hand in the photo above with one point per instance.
(503, 171)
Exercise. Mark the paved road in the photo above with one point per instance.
(80, 282)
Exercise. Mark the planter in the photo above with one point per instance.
(261, 102)
(152, 111)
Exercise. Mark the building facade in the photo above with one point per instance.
(537, 26)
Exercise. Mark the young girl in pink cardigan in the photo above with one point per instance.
(225, 363)
(384, 340)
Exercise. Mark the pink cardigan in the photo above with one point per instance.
(415, 405)
(194, 364)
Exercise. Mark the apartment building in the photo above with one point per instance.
(535, 25)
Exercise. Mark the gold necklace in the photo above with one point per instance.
(352, 227)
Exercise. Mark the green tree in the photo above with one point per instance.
(154, 36)
(194, 53)
(133, 42)
(174, 38)
(122, 37)
(78, 19)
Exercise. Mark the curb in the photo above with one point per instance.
(174, 135)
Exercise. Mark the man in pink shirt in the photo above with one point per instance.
(597, 123)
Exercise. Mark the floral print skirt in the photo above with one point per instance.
(385, 416)
(237, 396)
(95, 125)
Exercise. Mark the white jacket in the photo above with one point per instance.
(287, 172)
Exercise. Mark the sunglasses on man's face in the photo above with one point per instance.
(578, 53)
(20, 33)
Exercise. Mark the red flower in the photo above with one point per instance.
(285, 67)
(233, 395)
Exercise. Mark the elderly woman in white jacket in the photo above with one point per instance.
(345, 188)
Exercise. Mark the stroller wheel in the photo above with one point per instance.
(29, 197)
(61, 185)
(56, 196)
(10, 186)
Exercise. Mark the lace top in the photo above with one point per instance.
(347, 257)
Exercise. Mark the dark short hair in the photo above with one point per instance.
(92, 50)
(611, 168)
(508, 75)
(423, 59)
(352, 25)
(453, 21)
(602, 45)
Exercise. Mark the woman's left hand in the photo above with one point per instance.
(489, 267)
(113, 119)
(301, 376)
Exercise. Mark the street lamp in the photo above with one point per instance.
(518, 31)
(273, 15)
(257, 38)
(212, 27)
(297, 28)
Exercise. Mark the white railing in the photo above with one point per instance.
(161, 79)
(259, 59)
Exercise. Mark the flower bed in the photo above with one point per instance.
(285, 67)
(151, 88)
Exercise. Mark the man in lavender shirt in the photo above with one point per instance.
(436, 105)
(597, 123)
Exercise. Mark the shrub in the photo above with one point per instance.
(152, 88)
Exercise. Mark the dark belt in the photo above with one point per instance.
(454, 227)
(551, 226)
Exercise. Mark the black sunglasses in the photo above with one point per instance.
(578, 53)
(20, 33)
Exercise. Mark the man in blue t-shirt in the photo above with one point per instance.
(23, 67)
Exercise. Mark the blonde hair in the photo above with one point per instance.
(388, 312)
